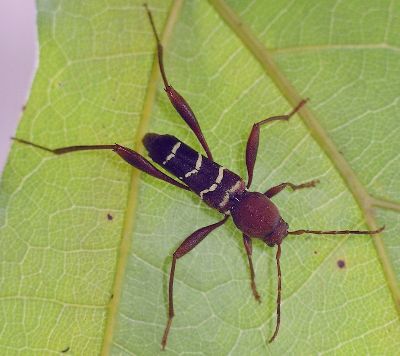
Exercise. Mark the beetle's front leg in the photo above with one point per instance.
(278, 188)
(249, 251)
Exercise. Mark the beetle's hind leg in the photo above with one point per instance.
(178, 102)
(132, 157)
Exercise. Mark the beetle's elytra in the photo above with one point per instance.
(254, 214)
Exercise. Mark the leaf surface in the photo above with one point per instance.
(85, 240)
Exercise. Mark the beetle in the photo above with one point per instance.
(253, 213)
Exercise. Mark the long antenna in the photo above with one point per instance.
(337, 232)
(278, 299)
(278, 265)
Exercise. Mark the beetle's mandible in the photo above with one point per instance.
(254, 214)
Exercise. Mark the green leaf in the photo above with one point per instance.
(85, 239)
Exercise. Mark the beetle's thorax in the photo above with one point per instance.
(257, 216)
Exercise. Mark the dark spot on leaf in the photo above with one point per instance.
(65, 350)
(341, 263)
(109, 216)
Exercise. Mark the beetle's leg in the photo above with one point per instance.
(278, 298)
(249, 250)
(254, 137)
(178, 102)
(278, 188)
(186, 246)
(133, 158)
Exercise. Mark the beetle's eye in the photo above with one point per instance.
(278, 234)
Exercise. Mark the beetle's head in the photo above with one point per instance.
(257, 216)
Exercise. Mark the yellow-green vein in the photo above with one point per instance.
(132, 197)
(386, 204)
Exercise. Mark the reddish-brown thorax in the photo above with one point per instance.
(257, 216)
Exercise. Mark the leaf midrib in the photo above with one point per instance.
(362, 197)
(130, 213)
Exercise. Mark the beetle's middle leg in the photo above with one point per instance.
(254, 138)
(186, 246)
(178, 102)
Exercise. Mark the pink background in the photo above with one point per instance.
(18, 57)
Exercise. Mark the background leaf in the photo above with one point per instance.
(85, 242)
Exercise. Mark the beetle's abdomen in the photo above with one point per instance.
(216, 185)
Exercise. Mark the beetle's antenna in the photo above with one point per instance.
(337, 232)
(278, 299)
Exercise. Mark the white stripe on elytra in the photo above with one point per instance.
(173, 152)
(214, 185)
(231, 190)
(220, 175)
(196, 168)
